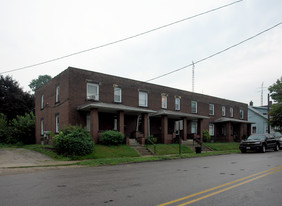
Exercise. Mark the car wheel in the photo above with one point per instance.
(243, 150)
(276, 147)
(263, 148)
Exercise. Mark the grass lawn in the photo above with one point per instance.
(168, 149)
(111, 155)
(224, 146)
(101, 151)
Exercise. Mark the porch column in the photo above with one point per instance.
(240, 132)
(145, 125)
(94, 124)
(184, 128)
(228, 132)
(200, 128)
(121, 122)
(164, 132)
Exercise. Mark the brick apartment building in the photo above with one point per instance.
(137, 109)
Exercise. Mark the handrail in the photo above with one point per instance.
(150, 141)
(198, 141)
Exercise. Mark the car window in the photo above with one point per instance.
(256, 137)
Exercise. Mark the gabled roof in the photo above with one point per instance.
(257, 112)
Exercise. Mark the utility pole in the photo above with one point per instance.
(193, 66)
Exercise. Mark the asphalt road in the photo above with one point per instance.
(237, 179)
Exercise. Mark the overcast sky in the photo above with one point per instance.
(35, 31)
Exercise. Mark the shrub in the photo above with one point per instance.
(73, 141)
(24, 128)
(3, 129)
(19, 130)
(111, 137)
(151, 139)
(206, 136)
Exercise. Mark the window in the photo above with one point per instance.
(88, 122)
(164, 101)
(117, 94)
(241, 114)
(223, 130)
(211, 129)
(211, 109)
(223, 111)
(254, 129)
(92, 91)
(42, 127)
(57, 93)
(42, 101)
(115, 123)
(194, 126)
(143, 99)
(57, 119)
(194, 106)
(231, 111)
(177, 103)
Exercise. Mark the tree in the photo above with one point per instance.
(276, 108)
(13, 100)
(39, 82)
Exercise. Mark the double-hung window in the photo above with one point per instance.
(92, 91)
(194, 106)
(57, 93)
(241, 114)
(143, 99)
(42, 101)
(164, 101)
(42, 127)
(117, 94)
(88, 122)
(57, 121)
(194, 126)
(177, 103)
(231, 111)
(211, 129)
(223, 111)
(211, 109)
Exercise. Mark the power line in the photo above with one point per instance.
(215, 54)
(121, 40)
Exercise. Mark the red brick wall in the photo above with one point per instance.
(73, 93)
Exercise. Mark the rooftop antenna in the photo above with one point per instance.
(193, 76)
(261, 95)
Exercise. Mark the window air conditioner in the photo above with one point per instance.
(92, 97)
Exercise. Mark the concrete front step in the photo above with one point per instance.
(143, 151)
(192, 145)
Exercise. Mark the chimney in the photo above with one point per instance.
(251, 103)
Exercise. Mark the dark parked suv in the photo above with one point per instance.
(259, 142)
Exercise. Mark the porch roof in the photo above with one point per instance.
(177, 115)
(225, 119)
(107, 107)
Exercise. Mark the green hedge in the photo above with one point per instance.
(111, 137)
(73, 141)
